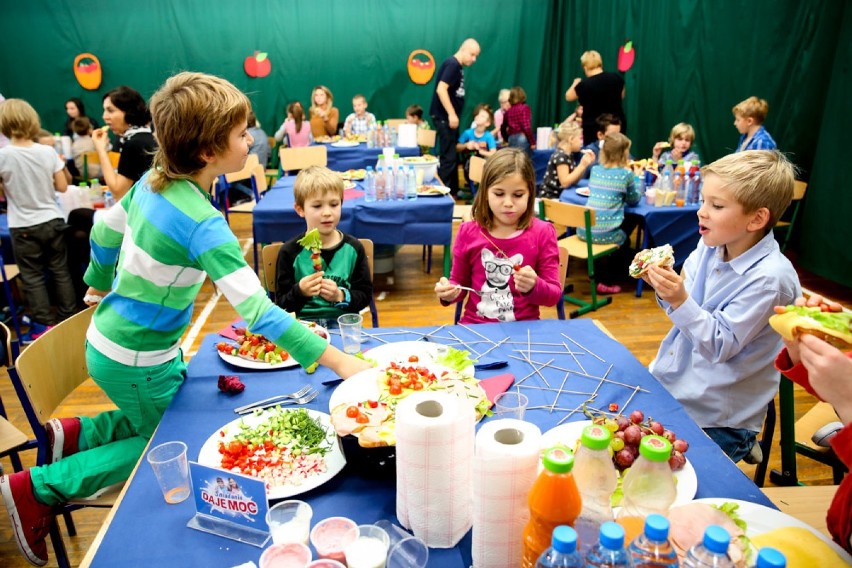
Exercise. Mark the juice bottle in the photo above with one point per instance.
(554, 500)
(649, 485)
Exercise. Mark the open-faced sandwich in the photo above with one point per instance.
(661, 256)
(834, 327)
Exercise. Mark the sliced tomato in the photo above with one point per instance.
(352, 412)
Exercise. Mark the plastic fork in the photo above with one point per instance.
(301, 400)
(477, 292)
(298, 394)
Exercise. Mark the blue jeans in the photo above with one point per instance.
(519, 140)
(736, 442)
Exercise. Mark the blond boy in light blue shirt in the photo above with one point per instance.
(717, 360)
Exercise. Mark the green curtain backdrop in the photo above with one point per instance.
(694, 61)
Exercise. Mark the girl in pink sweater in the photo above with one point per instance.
(505, 253)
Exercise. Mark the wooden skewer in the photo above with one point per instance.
(583, 348)
(534, 370)
(575, 358)
(556, 398)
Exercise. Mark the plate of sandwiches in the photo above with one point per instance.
(432, 190)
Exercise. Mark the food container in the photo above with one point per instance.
(378, 463)
(426, 164)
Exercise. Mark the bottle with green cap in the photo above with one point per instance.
(596, 479)
(553, 499)
(649, 485)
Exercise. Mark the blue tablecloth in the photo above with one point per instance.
(359, 157)
(426, 220)
(147, 532)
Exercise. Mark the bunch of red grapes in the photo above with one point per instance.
(627, 432)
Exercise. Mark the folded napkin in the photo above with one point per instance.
(486, 363)
(228, 331)
(352, 194)
(496, 385)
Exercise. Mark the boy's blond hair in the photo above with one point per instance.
(18, 119)
(503, 96)
(316, 181)
(682, 130)
(591, 60)
(755, 179)
(752, 107)
(504, 163)
(193, 113)
(567, 130)
(359, 96)
(615, 149)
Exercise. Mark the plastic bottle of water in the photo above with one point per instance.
(609, 552)
(712, 552)
(390, 188)
(57, 143)
(596, 479)
(371, 137)
(109, 200)
(769, 557)
(563, 551)
(393, 136)
(652, 548)
(95, 191)
(680, 196)
(410, 183)
(668, 168)
(380, 184)
(649, 484)
(687, 188)
(387, 136)
(401, 184)
(369, 185)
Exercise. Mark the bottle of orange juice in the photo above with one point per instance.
(554, 500)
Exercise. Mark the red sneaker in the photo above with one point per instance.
(30, 519)
(604, 289)
(63, 435)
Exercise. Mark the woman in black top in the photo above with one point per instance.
(599, 93)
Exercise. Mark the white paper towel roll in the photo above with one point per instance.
(434, 443)
(505, 465)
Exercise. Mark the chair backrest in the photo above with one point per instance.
(246, 172)
(368, 250)
(476, 166)
(270, 265)
(799, 190)
(426, 137)
(563, 266)
(395, 121)
(54, 365)
(566, 214)
(301, 158)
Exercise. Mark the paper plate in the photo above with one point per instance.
(401, 351)
(334, 460)
(584, 191)
(432, 191)
(263, 365)
(344, 144)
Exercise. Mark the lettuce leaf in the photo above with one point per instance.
(455, 359)
(836, 321)
(312, 240)
(730, 509)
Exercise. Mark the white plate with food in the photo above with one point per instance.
(760, 519)
(304, 451)
(354, 174)
(584, 191)
(432, 191)
(421, 352)
(349, 184)
(345, 144)
(568, 435)
(241, 353)
(420, 160)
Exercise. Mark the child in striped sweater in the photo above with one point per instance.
(610, 188)
(170, 238)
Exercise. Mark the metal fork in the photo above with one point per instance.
(302, 400)
(477, 292)
(299, 393)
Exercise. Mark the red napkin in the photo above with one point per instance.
(352, 194)
(496, 385)
(228, 331)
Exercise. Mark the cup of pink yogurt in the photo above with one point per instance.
(289, 555)
(326, 563)
(329, 537)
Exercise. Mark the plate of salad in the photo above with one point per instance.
(254, 351)
(291, 450)
(420, 352)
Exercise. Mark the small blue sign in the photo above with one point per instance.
(228, 496)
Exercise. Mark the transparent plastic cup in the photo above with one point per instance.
(368, 548)
(290, 521)
(330, 536)
(510, 404)
(287, 555)
(326, 563)
(350, 332)
(406, 550)
(168, 461)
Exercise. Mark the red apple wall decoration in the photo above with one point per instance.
(257, 65)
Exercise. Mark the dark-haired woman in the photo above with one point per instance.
(75, 109)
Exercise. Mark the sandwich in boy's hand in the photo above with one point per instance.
(828, 322)
(661, 256)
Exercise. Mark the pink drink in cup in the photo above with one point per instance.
(290, 555)
(330, 536)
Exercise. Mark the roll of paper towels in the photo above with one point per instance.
(435, 441)
(505, 465)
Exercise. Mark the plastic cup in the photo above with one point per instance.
(659, 198)
(679, 202)
(406, 550)
(331, 535)
(326, 563)
(650, 195)
(290, 521)
(288, 555)
(350, 332)
(169, 463)
(368, 548)
(510, 404)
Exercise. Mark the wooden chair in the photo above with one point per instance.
(395, 121)
(271, 170)
(563, 273)
(43, 376)
(93, 158)
(270, 270)
(477, 164)
(426, 137)
(796, 437)
(300, 158)
(582, 219)
(765, 442)
(786, 227)
(9, 272)
(12, 440)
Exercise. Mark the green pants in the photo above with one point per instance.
(111, 442)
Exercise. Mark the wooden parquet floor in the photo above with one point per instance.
(405, 297)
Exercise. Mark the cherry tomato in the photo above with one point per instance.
(269, 347)
(413, 359)
(235, 447)
(362, 418)
(395, 389)
(254, 340)
(516, 267)
(417, 385)
(352, 412)
(373, 403)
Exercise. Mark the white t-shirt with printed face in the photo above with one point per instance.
(27, 173)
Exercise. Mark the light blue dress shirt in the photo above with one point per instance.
(718, 358)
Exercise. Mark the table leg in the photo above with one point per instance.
(448, 260)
